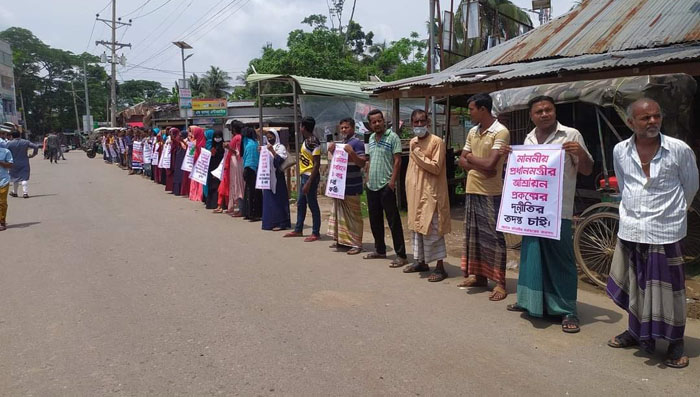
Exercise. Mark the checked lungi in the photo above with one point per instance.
(484, 252)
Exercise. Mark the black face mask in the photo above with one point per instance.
(271, 141)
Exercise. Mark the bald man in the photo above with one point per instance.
(658, 179)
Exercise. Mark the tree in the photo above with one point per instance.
(215, 83)
(195, 85)
(132, 92)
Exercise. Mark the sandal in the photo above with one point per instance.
(354, 251)
(437, 276)
(417, 268)
(471, 282)
(570, 324)
(398, 262)
(218, 211)
(514, 307)
(675, 357)
(374, 255)
(623, 340)
(498, 294)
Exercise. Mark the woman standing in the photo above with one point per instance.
(179, 150)
(275, 214)
(252, 197)
(196, 188)
(217, 156)
(236, 182)
(173, 135)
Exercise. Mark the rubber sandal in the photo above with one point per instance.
(374, 255)
(470, 282)
(417, 268)
(514, 307)
(398, 262)
(675, 357)
(436, 276)
(293, 234)
(354, 251)
(570, 319)
(312, 238)
(622, 341)
(498, 290)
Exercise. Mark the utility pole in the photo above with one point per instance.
(75, 106)
(87, 98)
(431, 59)
(184, 46)
(24, 114)
(113, 45)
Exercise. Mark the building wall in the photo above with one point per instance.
(8, 101)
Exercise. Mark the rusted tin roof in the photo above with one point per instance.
(596, 35)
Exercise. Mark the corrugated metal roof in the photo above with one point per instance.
(544, 67)
(310, 85)
(600, 26)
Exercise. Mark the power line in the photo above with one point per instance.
(147, 14)
(91, 32)
(156, 29)
(105, 7)
(137, 9)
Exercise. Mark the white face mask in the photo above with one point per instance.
(218, 139)
(420, 131)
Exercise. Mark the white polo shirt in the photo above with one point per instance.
(562, 135)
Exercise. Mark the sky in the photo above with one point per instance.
(224, 33)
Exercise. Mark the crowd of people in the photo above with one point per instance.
(657, 176)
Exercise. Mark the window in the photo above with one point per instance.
(8, 106)
(6, 58)
(6, 82)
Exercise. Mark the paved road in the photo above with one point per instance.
(110, 286)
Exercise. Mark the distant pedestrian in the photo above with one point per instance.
(52, 145)
(5, 166)
(384, 167)
(658, 179)
(19, 173)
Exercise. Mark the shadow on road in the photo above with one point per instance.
(43, 195)
(21, 225)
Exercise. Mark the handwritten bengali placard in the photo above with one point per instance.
(201, 167)
(338, 171)
(533, 192)
(137, 156)
(147, 153)
(263, 178)
(188, 162)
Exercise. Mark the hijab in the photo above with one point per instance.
(209, 135)
(278, 146)
(198, 133)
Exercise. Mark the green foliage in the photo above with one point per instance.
(215, 83)
(132, 92)
(43, 75)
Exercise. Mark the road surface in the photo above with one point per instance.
(109, 286)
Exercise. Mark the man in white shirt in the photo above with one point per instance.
(658, 179)
(548, 279)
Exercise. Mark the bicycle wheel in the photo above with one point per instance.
(599, 207)
(594, 244)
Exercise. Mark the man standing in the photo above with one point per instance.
(547, 281)
(658, 180)
(19, 173)
(52, 145)
(5, 166)
(484, 251)
(428, 198)
(384, 166)
(345, 225)
(309, 167)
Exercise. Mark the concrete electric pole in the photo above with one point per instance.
(113, 46)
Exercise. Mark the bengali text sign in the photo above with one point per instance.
(338, 171)
(201, 167)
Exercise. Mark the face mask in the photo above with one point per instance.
(271, 141)
(218, 139)
(420, 131)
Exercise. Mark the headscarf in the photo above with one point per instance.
(209, 135)
(200, 140)
(282, 153)
(217, 146)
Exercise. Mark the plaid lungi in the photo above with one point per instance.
(484, 252)
(345, 224)
(429, 247)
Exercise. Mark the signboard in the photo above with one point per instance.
(532, 192)
(541, 4)
(188, 162)
(137, 156)
(262, 181)
(204, 121)
(185, 103)
(209, 107)
(201, 167)
(335, 188)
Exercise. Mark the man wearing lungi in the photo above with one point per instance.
(484, 253)
(658, 180)
(428, 198)
(345, 225)
(548, 280)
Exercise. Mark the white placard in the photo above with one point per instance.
(532, 192)
(112, 153)
(201, 167)
(154, 158)
(337, 173)
(165, 158)
(122, 149)
(219, 170)
(262, 180)
(147, 153)
(188, 162)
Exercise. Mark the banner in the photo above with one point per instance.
(533, 192)
(201, 167)
(137, 156)
(154, 158)
(147, 153)
(262, 181)
(165, 157)
(219, 170)
(188, 162)
(338, 171)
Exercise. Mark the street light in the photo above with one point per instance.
(183, 46)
